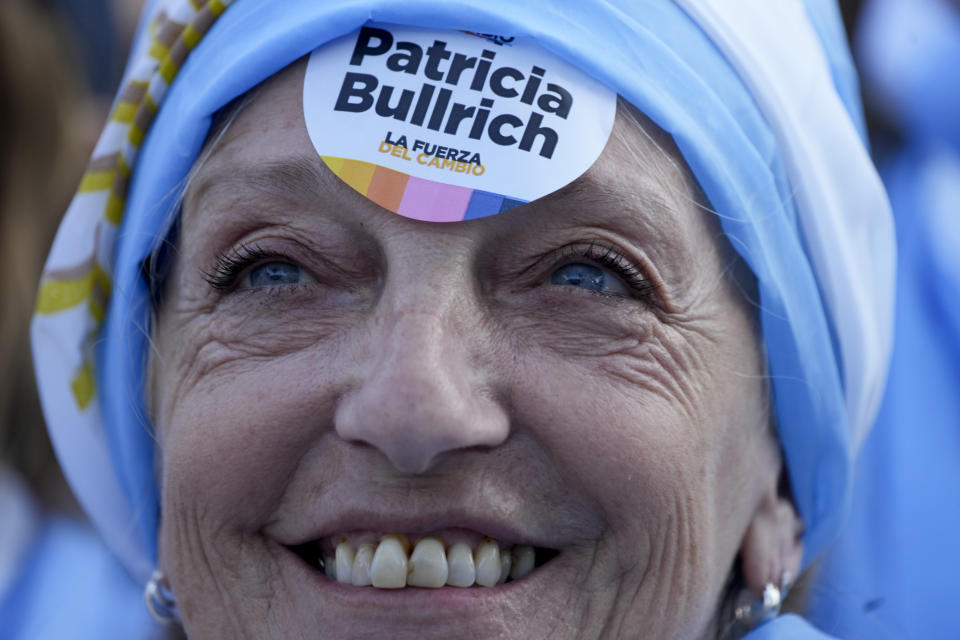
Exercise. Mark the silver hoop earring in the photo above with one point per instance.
(159, 600)
(751, 611)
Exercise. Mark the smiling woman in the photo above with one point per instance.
(553, 400)
(451, 384)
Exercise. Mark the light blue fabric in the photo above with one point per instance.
(825, 17)
(892, 573)
(71, 587)
(786, 627)
(651, 53)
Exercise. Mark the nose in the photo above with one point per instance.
(422, 394)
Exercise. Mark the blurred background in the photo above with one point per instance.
(892, 572)
(60, 62)
(891, 575)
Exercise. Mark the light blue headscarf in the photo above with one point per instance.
(887, 575)
(761, 100)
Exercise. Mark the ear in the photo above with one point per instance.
(773, 544)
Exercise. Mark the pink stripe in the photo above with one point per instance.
(434, 201)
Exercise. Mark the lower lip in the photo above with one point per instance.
(415, 602)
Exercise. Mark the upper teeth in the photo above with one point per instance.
(428, 564)
(390, 564)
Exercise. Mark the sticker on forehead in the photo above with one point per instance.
(448, 125)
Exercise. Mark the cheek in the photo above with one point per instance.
(643, 417)
(623, 418)
(230, 449)
(639, 462)
(627, 349)
(235, 435)
(241, 401)
(241, 384)
(227, 385)
(632, 452)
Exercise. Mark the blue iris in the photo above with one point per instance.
(581, 275)
(274, 273)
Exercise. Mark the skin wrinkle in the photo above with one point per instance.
(679, 353)
(199, 559)
(613, 619)
(209, 555)
(650, 600)
(218, 351)
(682, 518)
(678, 537)
(664, 561)
(624, 435)
(647, 369)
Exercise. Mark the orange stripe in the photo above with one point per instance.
(387, 187)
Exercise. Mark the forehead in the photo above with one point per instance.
(266, 128)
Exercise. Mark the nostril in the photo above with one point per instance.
(413, 428)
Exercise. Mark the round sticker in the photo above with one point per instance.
(449, 125)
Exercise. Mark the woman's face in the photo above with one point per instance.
(579, 375)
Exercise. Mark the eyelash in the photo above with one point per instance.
(608, 256)
(230, 265)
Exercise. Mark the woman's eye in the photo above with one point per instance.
(589, 277)
(275, 273)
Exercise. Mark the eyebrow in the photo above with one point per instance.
(290, 178)
(649, 210)
(587, 188)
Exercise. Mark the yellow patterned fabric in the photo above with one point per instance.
(77, 282)
(174, 34)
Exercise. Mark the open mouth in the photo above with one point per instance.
(432, 561)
